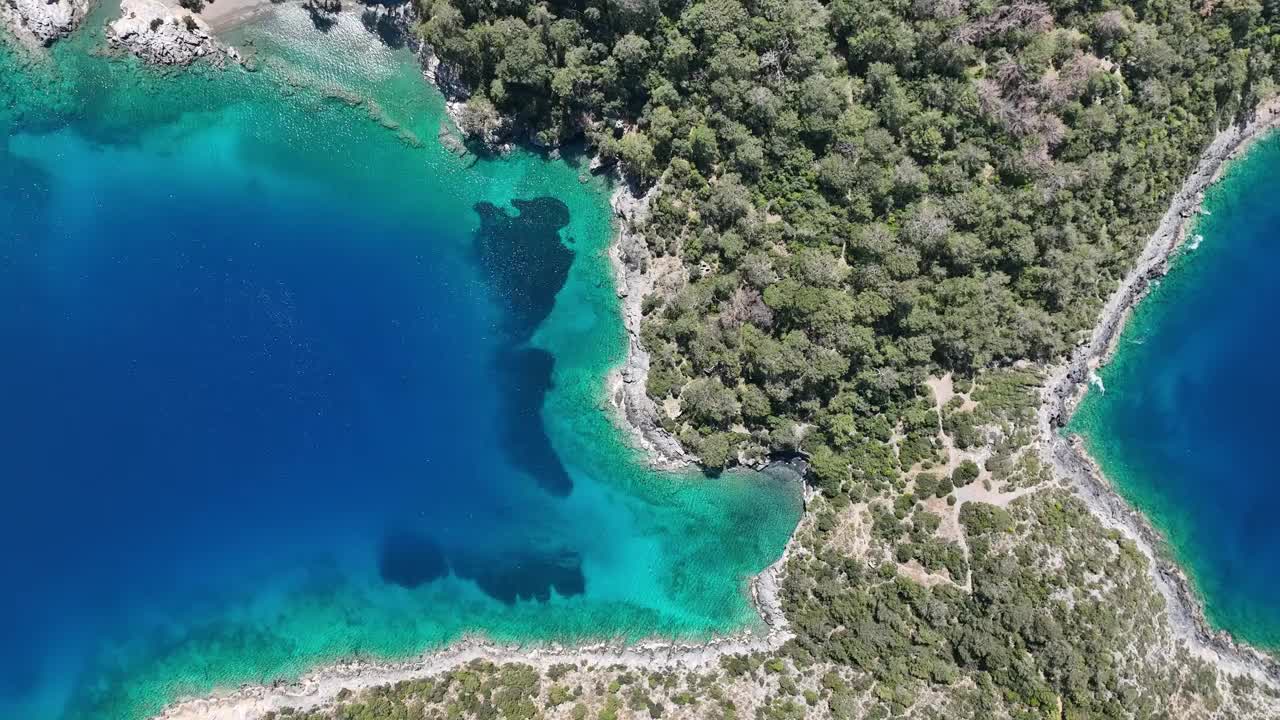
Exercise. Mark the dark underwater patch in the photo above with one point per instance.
(525, 375)
(526, 265)
(524, 260)
(525, 575)
(410, 559)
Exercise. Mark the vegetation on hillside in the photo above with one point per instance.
(1001, 598)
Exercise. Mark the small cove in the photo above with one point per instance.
(286, 383)
(1181, 428)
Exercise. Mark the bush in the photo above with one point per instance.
(965, 473)
(926, 485)
(945, 486)
(980, 518)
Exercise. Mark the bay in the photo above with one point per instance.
(285, 382)
(1182, 426)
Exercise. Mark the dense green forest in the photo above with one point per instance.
(865, 190)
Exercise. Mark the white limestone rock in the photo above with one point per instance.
(43, 20)
(163, 35)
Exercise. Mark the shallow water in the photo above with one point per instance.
(286, 382)
(1184, 427)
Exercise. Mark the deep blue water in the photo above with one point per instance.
(185, 389)
(282, 383)
(1186, 426)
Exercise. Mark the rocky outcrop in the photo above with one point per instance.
(43, 21)
(393, 21)
(443, 75)
(477, 120)
(163, 35)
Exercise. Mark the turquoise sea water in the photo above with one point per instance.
(285, 382)
(1185, 427)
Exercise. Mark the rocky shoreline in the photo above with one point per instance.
(636, 276)
(322, 687)
(1068, 383)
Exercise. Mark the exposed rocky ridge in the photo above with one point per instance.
(161, 35)
(43, 21)
(1068, 383)
(491, 131)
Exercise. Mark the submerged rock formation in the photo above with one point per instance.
(162, 35)
(45, 21)
(323, 13)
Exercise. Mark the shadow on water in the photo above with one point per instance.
(525, 264)
(409, 560)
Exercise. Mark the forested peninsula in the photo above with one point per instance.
(862, 193)
(876, 230)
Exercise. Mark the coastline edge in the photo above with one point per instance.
(1068, 382)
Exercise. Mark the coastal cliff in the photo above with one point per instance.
(43, 22)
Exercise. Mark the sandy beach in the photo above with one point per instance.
(1068, 383)
(223, 15)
